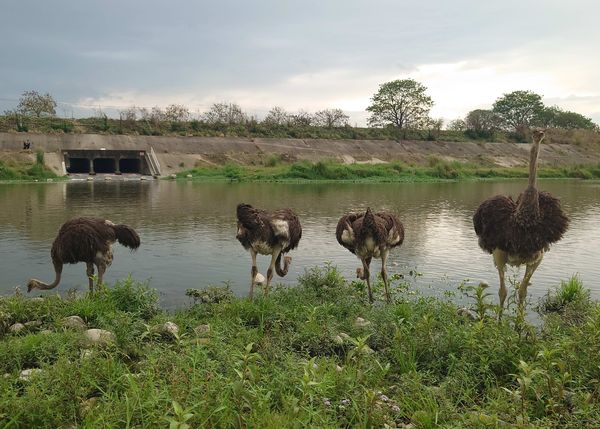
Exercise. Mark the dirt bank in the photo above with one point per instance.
(177, 153)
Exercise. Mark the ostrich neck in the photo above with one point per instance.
(42, 285)
(533, 158)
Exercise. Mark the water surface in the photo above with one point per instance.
(188, 231)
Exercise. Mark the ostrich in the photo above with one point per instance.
(86, 240)
(370, 235)
(518, 233)
(268, 233)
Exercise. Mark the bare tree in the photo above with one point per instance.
(301, 119)
(34, 103)
(225, 114)
(457, 125)
(277, 116)
(331, 118)
(177, 113)
(128, 115)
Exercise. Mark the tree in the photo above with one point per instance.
(277, 116)
(177, 113)
(482, 123)
(556, 117)
(34, 103)
(331, 118)
(401, 103)
(225, 114)
(457, 125)
(301, 119)
(519, 109)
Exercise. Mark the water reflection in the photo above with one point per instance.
(188, 230)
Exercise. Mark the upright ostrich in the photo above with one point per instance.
(86, 240)
(519, 233)
(370, 235)
(268, 233)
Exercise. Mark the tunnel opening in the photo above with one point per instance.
(104, 165)
(130, 165)
(78, 165)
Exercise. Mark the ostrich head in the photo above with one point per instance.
(33, 284)
(538, 135)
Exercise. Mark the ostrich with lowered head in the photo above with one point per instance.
(86, 240)
(518, 233)
(268, 233)
(370, 235)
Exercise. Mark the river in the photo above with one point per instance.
(188, 231)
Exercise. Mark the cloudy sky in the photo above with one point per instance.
(298, 54)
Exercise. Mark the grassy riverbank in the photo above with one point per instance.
(436, 169)
(25, 171)
(311, 356)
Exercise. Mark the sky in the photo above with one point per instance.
(107, 55)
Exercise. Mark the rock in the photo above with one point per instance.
(74, 322)
(202, 330)
(361, 323)
(88, 404)
(16, 328)
(45, 331)
(33, 324)
(338, 340)
(173, 176)
(189, 176)
(259, 279)
(170, 328)
(339, 368)
(86, 353)
(37, 299)
(468, 313)
(26, 374)
(344, 336)
(99, 337)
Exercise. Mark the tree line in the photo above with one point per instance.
(401, 105)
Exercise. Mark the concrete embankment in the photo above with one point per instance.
(177, 153)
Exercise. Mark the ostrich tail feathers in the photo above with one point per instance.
(127, 236)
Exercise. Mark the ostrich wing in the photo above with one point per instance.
(346, 226)
(286, 226)
(548, 228)
(394, 228)
(493, 222)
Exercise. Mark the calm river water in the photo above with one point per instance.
(188, 231)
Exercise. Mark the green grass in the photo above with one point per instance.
(28, 172)
(296, 359)
(435, 169)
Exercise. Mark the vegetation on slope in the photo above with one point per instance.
(274, 170)
(315, 355)
(26, 171)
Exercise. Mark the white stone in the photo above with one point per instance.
(99, 337)
(189, 176)
(171, 328)
(37, 299)
(86, 353)
(74, 322)
(202, 330)
(361, 323)
(259, 279)
(16, 328)
(26, 374)
(33, 324)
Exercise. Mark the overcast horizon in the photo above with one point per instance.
(307, 55)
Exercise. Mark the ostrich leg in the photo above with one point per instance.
(367, 276)
(500, 258)
(253, 273)
(90, 275)
(384, 274)
(274, 257)
(529, 270)
(101, 271)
